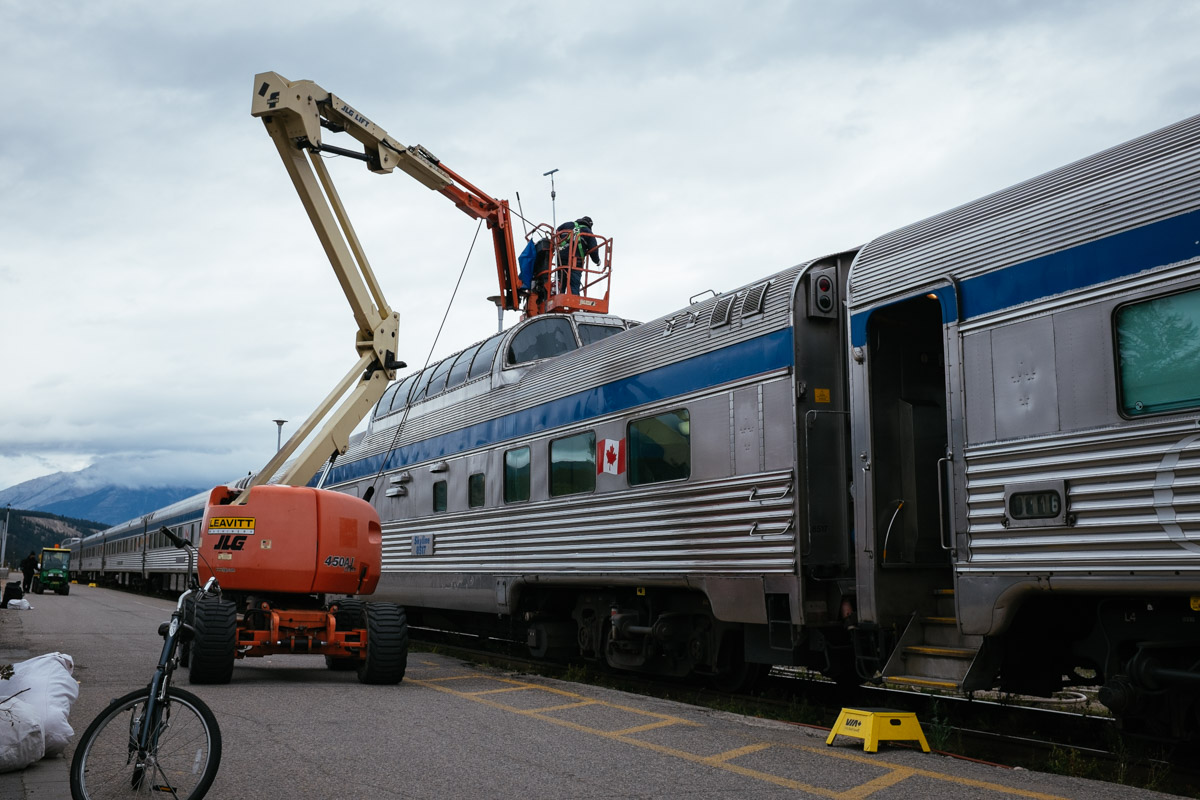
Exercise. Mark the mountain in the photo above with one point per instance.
(86, 495)
(30, 531)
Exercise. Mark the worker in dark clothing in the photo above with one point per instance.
(585, 246)
(28, 567)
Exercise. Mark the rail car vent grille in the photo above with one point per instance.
(753, 302)
(722, 312)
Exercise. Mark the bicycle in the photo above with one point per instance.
(158, 741)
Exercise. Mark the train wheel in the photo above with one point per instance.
(348, 616)
(735, 674)
(211, 658)
(387, 644)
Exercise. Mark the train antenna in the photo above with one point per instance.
(553, 214)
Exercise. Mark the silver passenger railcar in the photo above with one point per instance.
(1025, 380)
(135, 554)
(635, 498)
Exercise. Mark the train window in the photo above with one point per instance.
(439, 496)
(573, 464)
(516, 475)
(385, 403)
(589, 334)
(475, 493)
(462, 364)
(1158, 354)
(401, 398)
(659, 448)
(437, 383)
(542, 338)
(422, 385)
(482, 363)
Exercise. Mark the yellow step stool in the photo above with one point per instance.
(875, 725)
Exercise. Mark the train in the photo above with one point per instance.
(962, 456)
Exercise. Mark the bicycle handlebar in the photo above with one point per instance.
(178, 541)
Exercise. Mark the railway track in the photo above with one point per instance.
(1004, 731)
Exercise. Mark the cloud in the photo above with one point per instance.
(163, 296)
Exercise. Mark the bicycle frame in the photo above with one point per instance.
(172, 631)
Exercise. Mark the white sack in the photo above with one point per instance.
(52, 692)
(20, 605)
(21, 739)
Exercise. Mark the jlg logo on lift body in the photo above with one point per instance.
(224, 527)
(230, 542)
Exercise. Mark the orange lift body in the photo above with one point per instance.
(292, 540)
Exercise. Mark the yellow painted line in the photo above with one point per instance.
(729, 755)
(926, 773)
(500, 691)
(885, 781)
(650, 726)
(563, 707)
(893, 774)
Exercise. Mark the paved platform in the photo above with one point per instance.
(291, 728)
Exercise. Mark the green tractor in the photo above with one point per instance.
(52, 571)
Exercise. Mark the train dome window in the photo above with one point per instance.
(462, 365)
(385, 402)
(421, 389)
(1158, 354)
(660, 448)
(401, 399)
(573, 464)
(590, 333)
(542, 338)
(482, 363)
(437, 383)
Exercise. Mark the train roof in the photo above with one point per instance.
(1151, 178)
(716, 322)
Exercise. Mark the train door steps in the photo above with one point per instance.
(875, 725)
(933, 654)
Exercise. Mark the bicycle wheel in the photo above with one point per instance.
(184, 753)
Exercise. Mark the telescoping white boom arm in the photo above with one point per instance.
(294, 114)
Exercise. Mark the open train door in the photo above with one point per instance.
(905, 391)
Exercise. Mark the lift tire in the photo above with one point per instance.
(212, 648)
(36, 586)
(387, 644)
(64, 589)
(347, 617)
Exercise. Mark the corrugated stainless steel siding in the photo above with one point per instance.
(729, 526)
(623, 355)
(1151, 178)
(1134, 494)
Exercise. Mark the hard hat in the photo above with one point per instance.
(585, 221)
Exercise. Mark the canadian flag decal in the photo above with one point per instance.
(610, 456)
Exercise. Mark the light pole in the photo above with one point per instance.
(4, 538)
(279, 433)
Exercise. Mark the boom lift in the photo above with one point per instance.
(278, 549)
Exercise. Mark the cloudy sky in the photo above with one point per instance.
(163, 297)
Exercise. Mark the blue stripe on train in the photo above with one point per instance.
(753, 357)
(1165, 242)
